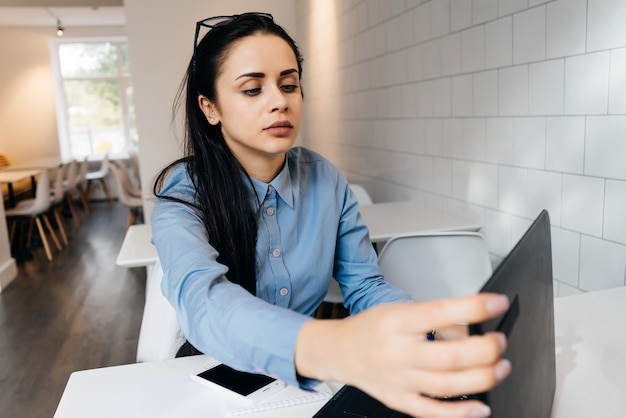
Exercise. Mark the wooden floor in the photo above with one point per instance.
(79, 311)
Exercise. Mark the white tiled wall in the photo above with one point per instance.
(488, 109)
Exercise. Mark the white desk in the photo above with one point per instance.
(591, 375)
(385, 220)
(590, 349)
(136, 249)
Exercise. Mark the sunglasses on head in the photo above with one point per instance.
(218, 21)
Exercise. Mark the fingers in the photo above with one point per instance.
(433, 408)
(463, 382)
(470, 309)
(479, 350)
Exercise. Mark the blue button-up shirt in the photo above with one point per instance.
(309, 231)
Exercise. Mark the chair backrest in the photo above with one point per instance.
(362, 195)
(134, 162)
(436, 265)
(58, 192)
(104, 166)
(42, 194)
(160, 335)
(128, 181)
(71, 175)
(81, 180)
(122, 192)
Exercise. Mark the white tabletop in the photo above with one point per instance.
(590, 351)
(158, 389)
(41, 164)
(591, 373)
(385, 220)
(11, 176)
(136, 250)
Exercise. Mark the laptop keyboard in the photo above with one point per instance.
(350, 402)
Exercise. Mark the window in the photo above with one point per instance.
(95, 111)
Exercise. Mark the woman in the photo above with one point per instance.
(250, 231)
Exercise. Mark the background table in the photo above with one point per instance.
(385, 220)
(9, 177)
(136, 249)
(591, 376)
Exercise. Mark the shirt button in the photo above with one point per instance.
(284, 291)
(269, 190)
(269, 211)
(276, 253)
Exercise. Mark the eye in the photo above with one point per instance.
(252, 92)
(289, 88)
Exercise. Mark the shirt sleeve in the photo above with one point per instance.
(356, 268)
(218, 317)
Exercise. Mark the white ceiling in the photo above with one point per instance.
(69, 16)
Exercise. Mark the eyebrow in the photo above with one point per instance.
(262, 75)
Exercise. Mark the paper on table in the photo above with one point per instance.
(288, 397)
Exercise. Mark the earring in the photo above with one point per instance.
(211, 120)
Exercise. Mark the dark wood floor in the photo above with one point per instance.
(78, 312)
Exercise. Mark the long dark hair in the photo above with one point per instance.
(222, 196)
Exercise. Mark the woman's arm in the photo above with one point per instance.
(384, 352)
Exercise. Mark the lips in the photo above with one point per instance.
(280, 128)
(280, 124)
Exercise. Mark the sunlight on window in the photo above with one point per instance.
(99, 113)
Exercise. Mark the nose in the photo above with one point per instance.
(278, 101)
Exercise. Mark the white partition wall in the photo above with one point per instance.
(489, 110)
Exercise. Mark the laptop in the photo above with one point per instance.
(525, 276)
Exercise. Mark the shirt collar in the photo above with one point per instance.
(281, 183)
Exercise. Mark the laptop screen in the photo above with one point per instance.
(525, 275)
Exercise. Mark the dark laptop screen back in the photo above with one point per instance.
(525, 275)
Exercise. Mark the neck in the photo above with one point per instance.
(264, 169)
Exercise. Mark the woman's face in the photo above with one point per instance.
(259, 103)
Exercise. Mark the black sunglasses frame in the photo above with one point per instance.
(221, 21)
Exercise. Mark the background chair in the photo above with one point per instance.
(129, 184)
(362, 195)
(134, 203)
(57, 196)
(100, 176)
(35, 209)
(81, 185)
(160, 335)
(134, 163)
(436, 265)
(70, 186)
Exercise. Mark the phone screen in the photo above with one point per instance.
(240, 382)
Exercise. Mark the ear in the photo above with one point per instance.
(209, 110)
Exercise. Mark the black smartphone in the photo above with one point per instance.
(248, 385)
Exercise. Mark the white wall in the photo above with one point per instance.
(27, 111)
(488, 109)
(160, 36)
(27, 108)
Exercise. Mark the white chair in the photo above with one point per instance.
(129, 184)
(35, 209)
(362, 196)
(81, 184)
(160, 335)
(101, 177)
(134, 163)
(436, 265)
(134, 203)
(56, 202)
(70, 186)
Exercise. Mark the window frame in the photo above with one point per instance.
(60, 100)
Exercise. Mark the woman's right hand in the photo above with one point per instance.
(384, 352)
